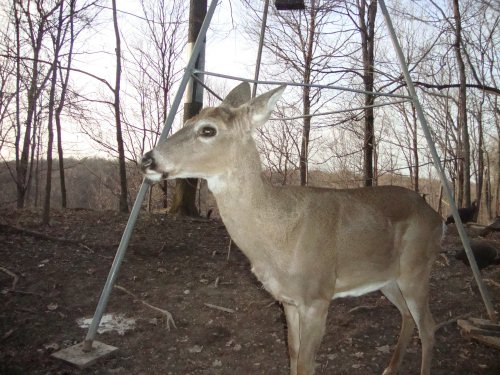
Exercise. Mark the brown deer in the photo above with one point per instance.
(308, 245)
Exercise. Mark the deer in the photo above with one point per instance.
(308, 245)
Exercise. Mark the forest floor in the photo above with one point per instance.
(182, 266)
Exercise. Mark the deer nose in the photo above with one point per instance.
(147, 161)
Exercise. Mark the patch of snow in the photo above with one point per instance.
(110, 323)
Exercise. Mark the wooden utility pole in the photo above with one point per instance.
(184, 202)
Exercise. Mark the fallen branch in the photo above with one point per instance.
(451, 321)
(167, 314)
(270, 304)
(229, 249)
(32, 233)
(446, 260)
(362, 307)
(13, 275)
(8, 333)
(46, 237)
(28, 293)
(225, 309)
(492, 282)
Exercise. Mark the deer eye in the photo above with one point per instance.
(208, 131)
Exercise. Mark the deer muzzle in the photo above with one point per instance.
(149, 168)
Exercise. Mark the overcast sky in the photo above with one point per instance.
(226, 52)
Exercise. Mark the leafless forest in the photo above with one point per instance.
(85, 87)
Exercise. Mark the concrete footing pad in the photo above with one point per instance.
(76, 356)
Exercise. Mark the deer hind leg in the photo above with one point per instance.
(416, 293)
(306, 327)
(420, 311)
(393, 294)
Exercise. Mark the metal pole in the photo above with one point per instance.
(115, 267)
(288, 83)
(261, 44)
(122, 248)
(437, 163)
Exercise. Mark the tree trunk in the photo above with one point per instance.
(487, 187)
(60, 106)
(119, 138)
(306, 97)
(60, 155)
(37, 178)
(35, 162)
(497, 187)
(480, 157)
(184, 201)
(17, 142)
(367, 31)
(37, 30)
(306, 129)
(462, 107)
(416, 168)
(50, 129)
(497, 182)
(23, 166)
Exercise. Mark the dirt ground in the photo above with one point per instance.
(181, 265)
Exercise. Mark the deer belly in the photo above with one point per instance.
(358, 290)
(273, 286)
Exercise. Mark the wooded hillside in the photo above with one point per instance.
(92, 77)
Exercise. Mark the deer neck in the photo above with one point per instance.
(244, 203)
(242, 196)
(242, 181)
(257, 218)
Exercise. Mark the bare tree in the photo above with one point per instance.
(464, 193)
(8, 94)
(479, 45)
(304, 44)
(56, 41)
(123, 201)
(64, 75)
(366, 26)
(157, 69)
(279, 143)
(36, 29)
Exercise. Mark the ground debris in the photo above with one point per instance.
(251, 340)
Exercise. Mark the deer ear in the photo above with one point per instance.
(237, 96)
(261, 107)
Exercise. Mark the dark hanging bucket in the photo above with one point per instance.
(289, 4)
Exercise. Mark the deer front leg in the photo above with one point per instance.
(306, 327)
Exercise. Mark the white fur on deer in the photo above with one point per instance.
(308, 245)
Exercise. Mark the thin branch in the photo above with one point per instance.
(167, 314)
(102, 80)
(13, 275)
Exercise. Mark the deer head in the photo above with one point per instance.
(205, 145)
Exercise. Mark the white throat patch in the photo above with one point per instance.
(216, 184)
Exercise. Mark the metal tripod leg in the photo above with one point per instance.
(437, 163)
(87, 347)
